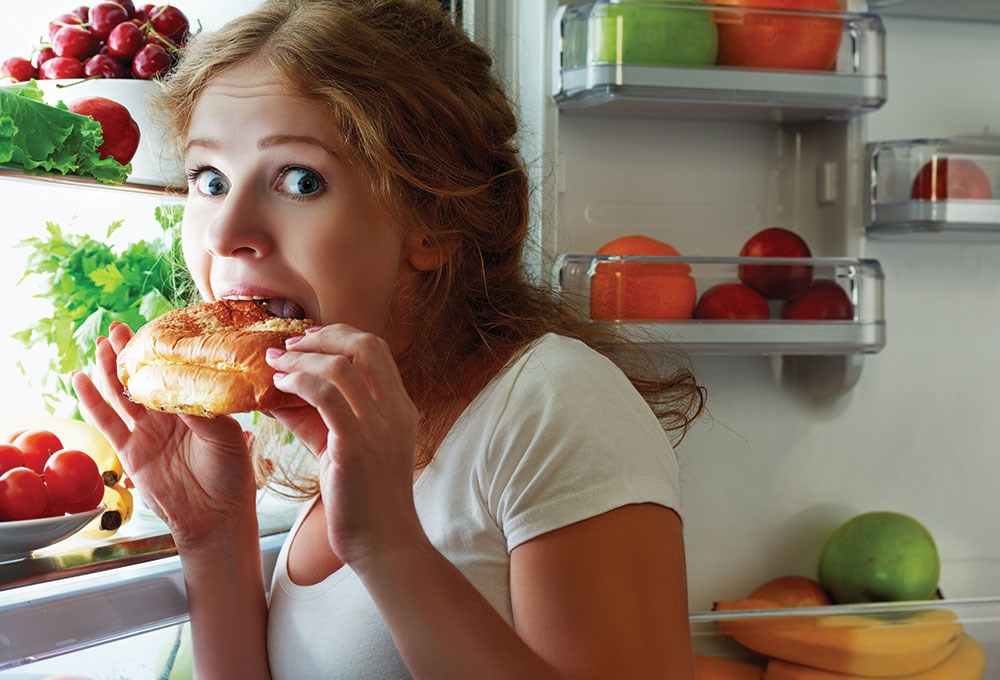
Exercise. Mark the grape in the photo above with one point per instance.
(150, 61)
(61, 67)
(75, 42)
(105, 16)
(18, 68)
(103, 65)
(125, 40)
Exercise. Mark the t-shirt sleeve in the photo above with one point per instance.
(575, 440)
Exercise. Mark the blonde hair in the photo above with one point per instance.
(433, 131)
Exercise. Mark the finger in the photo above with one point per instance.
(305, 423)
(114, 391)
(336, 368)
(324, 396)
(100, 413)
(222, 431)
(119, 334)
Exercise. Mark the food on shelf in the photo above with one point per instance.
(821, 301)
(951, 178)
(22, 495)
(776, 40)
(120, 131)
(37, 444)
(708, 667)
(71, 476)
(776, 282)
(731, 301)
(792, 590)
(880, 557)
(641, 290)
(108, 39)
(631, 32)
(118, 507)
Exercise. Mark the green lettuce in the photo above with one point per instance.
(39, 138)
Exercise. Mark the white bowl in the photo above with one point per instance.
(154, 163)
(19, 538)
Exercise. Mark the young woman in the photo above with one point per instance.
(496, 498)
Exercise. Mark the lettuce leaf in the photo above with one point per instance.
(39, 138)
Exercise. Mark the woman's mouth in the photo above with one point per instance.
(280, 307)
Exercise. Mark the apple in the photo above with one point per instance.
(121, 132)
(792, 591)
(631, 32)
(776, 282)
(731, 301)
(880, 557)
(944, 178)
(760, 39)
(822, 301)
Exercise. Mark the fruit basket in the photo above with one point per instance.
(721, 60)
(944, 188)
(671, 300)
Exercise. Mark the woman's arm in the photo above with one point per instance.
(605, 597)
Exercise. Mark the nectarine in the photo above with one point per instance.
(944, 178)
(824, 300)
(731, 301)
(776, 282)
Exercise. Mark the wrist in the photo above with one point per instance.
(232, 535)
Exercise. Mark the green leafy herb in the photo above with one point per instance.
(39, 138)
(90, 286)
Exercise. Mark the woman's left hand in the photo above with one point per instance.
(361, 424)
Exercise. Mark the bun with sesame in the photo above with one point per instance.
(208, 359)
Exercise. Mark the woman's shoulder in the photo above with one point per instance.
(560, 362)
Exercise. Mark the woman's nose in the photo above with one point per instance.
(238, 228)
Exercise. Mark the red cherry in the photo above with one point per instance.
(103, 65)
(129, 7)
(105, 16)
(58, 68)
(83, 11)
(170, 21)
(125, 40)
(44, 55)
(75, 42)
(150, 61)
(18, 68)
(62, 20)
(143, 13)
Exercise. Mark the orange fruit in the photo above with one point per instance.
(641, 290)
(756, 39)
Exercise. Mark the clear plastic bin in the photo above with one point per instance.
(945, 188)
(716, 60)
(656, 299)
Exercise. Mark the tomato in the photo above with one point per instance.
(760, 39)
(15, 434)
(88, 503)
(22, 494)
(72, 475)
(54, 507)
(10, 457)
(942, 178)
(37, 445)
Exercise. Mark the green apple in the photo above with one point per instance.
(630, 32)
(880, 557)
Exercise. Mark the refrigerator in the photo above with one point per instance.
(808, 423)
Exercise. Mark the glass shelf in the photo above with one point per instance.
(860, 279)
(953, 10)
(944, 189)
(16, 174)
(595, 71)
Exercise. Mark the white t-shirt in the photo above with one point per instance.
(559, 436)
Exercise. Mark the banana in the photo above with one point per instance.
(968, 662)
(74, 434)
(848, 643)
(118, 510)
(717, 668)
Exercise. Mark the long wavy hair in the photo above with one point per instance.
(434, 132)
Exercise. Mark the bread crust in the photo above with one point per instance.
(208, 360)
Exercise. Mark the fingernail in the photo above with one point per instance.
(292, 341)
(113, 324)
(101, 338)
(313, 329)
(280, 376)
(274, 352)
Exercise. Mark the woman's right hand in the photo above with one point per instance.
(195, 473)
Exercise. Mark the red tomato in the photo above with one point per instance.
(88, 503)
(943, 178)
(72, 475)
(10, 457)
(14, 435)
(22, 494)
(759, 39)
(37, 446)
(54, 507)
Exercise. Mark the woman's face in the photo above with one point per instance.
(277, 210)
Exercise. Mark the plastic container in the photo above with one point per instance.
(939, 188)
(706, 60)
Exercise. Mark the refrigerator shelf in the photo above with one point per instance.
(600, 69)
(943, 189)
(955, 10)
(630, 276)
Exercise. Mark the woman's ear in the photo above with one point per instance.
(425, 255)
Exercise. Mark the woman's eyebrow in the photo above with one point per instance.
(204, 143)
(278, 140)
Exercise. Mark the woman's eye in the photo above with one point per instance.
(210, 183)
(299, 182)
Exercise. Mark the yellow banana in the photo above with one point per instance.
(848, 643)
(74, 434)
(118, 510)
(968, 662)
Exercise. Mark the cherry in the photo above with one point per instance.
(145, 12)
(63, 20)
(105, 16)
(103, 65)
(18, 68)
(150, 61)
(75, 42)
(129, 7)
(44, 55)
(83, 11)
(170, 21)
(58, 68)
(125, 40)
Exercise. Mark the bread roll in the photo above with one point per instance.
(208, 359)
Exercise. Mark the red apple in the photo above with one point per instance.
(121, 132)
(793, 591)
(776, 282)
(731, 301)
(823, 300)
(943, 178)
(760, 39)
